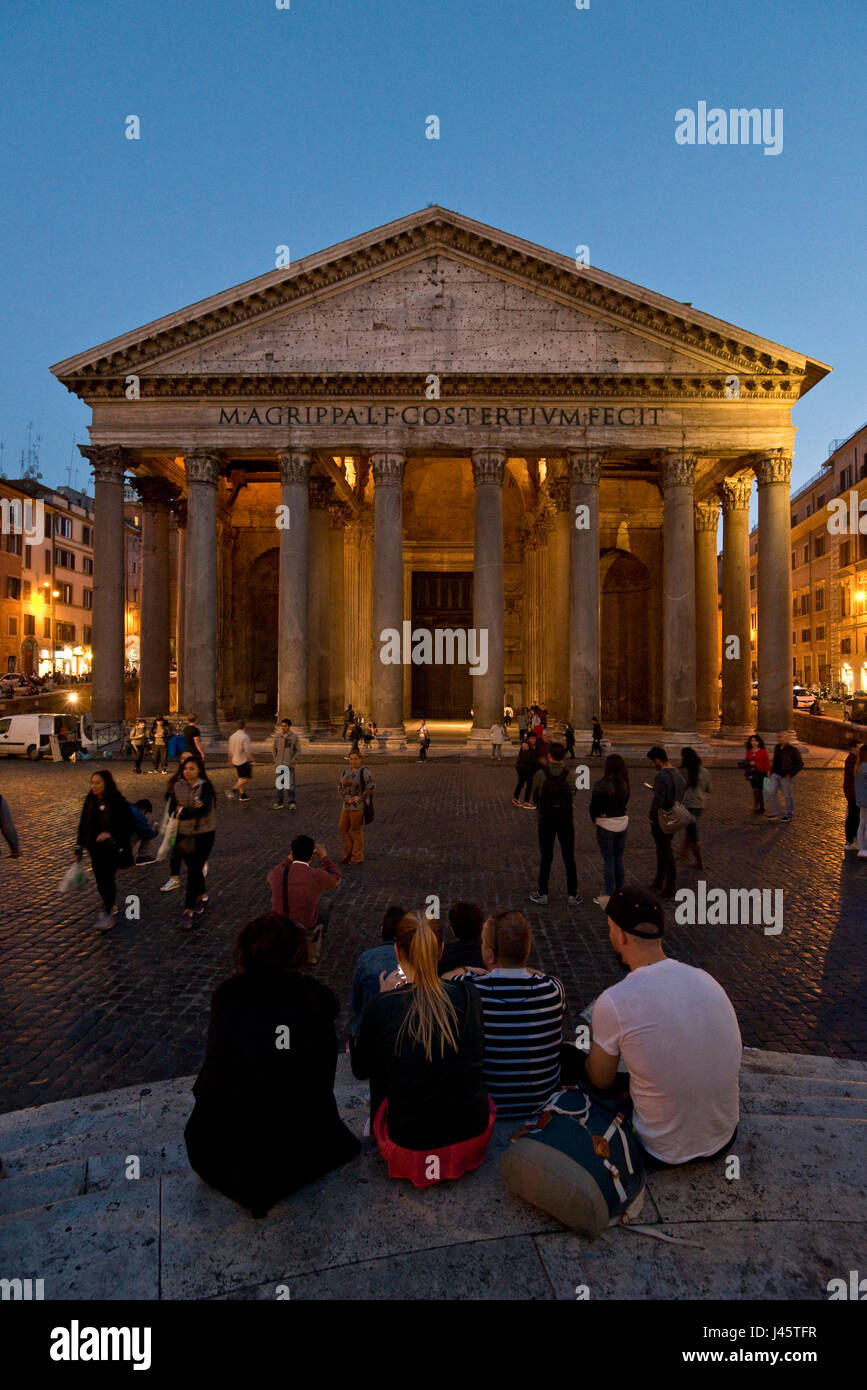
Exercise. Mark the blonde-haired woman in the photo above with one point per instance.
(421, 1043)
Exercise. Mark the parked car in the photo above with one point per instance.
(805, 700)
(855, 707)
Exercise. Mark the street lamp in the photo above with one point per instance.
(55, 593)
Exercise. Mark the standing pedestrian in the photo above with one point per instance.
(356, 735)
(240, 757)
(498, 738)
(301, 890)
(861, 798)
(596, 746)
(286, 748)
(785, 766)
(174, 880)
(758, 768)
(608, 802)
(526, 767)
(193, 736)
(7, 829)
(160, 740)
(105, 829)
(139, 741)
(348, 718)
(523, 722)
(423, 741)
(569, 739)
(697, 781)
(194, 800)
(668, 787)
(356, 788)
(553, 791)
(853, 813)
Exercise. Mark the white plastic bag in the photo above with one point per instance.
(170, 834)
(75, 877)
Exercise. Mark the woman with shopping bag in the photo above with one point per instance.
(194, 801)
(104, 830)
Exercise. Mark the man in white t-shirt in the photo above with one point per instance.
(678, 1035)
(240, 756)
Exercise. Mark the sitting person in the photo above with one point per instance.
(143, 816)
(299, 889)
(523, 1017)
(678, 1035)
(466, 921)
(421, 1044)
(372, 965)
(265, 1120)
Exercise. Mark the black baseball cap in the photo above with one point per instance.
(638, 912)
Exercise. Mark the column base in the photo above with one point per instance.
(736, 732)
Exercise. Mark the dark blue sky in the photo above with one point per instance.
(306, 126)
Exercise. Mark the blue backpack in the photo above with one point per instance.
(579, 1161)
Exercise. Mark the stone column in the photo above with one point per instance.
(179, 508)
(387, 680)
(678, 598)
(154, 684)
(339, 516)
(707, 656)
(774, 638)
(320, 496)
(109, 463)
(736, 668)
(557, 611)
(200, 657)
(292, 625)
(585, 470)
(489, 467)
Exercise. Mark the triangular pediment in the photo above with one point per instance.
(435, 293)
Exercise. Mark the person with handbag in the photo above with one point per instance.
(697, 789)
(758, 767)
(667, 815)
(194, 801)
(356, 788)
(301, 889)
(105, 829)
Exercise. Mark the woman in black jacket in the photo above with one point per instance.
(608, 804)
(526, 767)
(421, 1042)
(194, 800)
(265, 1120)
(104, 830)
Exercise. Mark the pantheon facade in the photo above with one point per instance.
(439, 426)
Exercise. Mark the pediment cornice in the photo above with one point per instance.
(711, 342)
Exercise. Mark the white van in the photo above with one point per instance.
(29, 734)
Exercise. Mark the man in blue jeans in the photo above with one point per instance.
(677, 1033)
(785, 766)
(286, 748)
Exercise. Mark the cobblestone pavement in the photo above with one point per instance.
(81, 1012)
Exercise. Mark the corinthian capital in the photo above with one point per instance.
(706, 515)
(561, 493)
(108, 461)
(387, 469)
(202, 466)
(320, 493)
(295, 466)
(157, 494)
(678, 469)
(773, 466)
(489, 466)
(735, 494)
(585, 465)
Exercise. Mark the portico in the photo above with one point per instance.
(441, 398)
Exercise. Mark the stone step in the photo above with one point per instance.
(802, 1064)
(21, 1191)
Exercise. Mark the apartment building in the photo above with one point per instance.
(829, 570)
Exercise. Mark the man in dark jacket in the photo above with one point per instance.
(668, 787)
(785, 766)
(553, 791)
(853, 810)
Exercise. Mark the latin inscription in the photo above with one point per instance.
(497, 417)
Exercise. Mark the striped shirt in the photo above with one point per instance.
(523, 1018)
